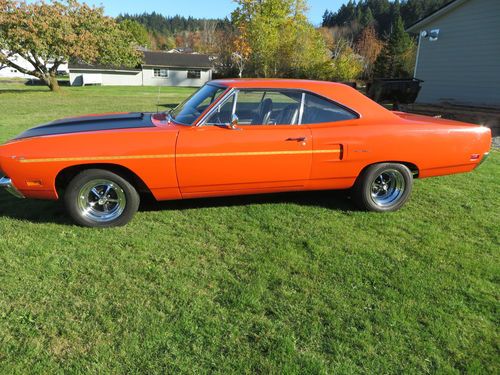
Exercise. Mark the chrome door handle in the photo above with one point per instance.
(298, 139)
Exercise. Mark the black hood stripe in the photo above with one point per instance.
(90, 124)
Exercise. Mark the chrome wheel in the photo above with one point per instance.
(387, 188)
(101, 200)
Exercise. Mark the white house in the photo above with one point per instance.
(158, 69)
(458, 54)
(9, 72)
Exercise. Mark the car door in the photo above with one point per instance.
(333, 131)
(267, 151)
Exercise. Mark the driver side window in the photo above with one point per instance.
(260, 107)
(223, 113)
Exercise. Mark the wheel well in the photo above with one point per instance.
(66, 175)
(412, 167)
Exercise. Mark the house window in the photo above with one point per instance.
(194, 74)
(160, 73)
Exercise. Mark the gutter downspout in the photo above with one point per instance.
(418, 54)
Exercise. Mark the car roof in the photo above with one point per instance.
(273, 83)
(337, 92)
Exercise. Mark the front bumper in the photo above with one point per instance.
(7, 185)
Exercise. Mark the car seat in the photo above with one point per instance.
(289, 115)
(264, 114)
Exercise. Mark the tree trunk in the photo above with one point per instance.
(51, 81)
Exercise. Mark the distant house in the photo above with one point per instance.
(158, 69)
(181, 50)
(459, 54)
(9, 72)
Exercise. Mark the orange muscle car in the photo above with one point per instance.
(238, 137)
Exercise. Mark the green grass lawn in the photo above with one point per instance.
(288, 283)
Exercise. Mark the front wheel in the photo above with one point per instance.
(383, 187)
(101, 199)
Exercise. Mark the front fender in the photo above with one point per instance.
(33, 164)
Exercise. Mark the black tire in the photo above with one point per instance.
(98, 198)
(383, 187)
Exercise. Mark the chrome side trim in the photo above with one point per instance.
(7, 185)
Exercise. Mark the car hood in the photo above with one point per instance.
(90, 123)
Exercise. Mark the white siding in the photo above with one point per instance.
(463, 65)
(9, 72)
(109, 78)
(176, 77)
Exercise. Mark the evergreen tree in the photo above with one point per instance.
(138, 32)
(384, 13)
(395, 59)
(367, 18)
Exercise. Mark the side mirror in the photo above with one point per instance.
(234, 122)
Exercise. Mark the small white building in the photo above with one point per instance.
(158, 69)
(9, 72)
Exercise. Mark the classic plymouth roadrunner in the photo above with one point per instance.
(238, 137)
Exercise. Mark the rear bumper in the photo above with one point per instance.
(7, 185)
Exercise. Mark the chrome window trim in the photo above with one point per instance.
(356, 114)
(301, 110)
(214, 104)
(222, 101)
(235, 102)
(217, 104)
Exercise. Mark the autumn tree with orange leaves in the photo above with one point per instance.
(369, 47)
(48, 34)
(242, 49)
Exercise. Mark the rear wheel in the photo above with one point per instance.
(383, 187)
(100, 198)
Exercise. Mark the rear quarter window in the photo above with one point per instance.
(319, 110)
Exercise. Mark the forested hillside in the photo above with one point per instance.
(361, 40)
(380, 12)
(167, 32)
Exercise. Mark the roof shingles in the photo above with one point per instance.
(158, 59)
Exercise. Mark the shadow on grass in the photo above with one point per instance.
(34, 211)
(22, 90)
(169, 105)
(335, 200)
(53, 212)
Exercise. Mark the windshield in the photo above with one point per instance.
(187, 112)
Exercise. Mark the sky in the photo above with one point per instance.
(199, 8)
